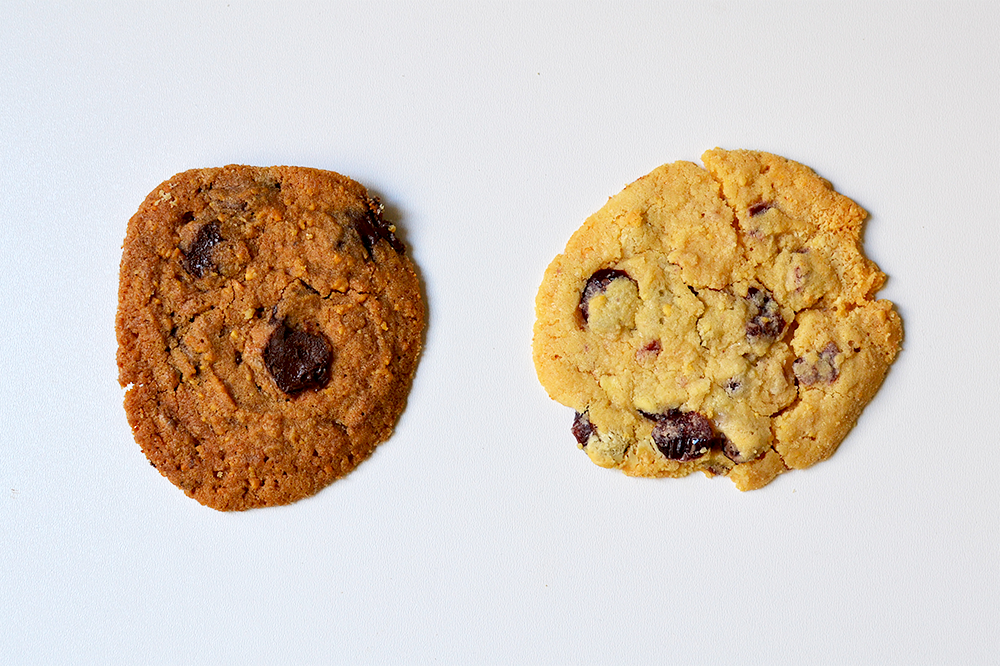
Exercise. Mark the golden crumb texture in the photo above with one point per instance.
(720, 319)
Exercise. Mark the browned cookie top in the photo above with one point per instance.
(269, 325)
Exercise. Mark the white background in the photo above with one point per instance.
(479, 533)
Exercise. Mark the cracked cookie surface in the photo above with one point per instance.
(719, 319)
(269, 326)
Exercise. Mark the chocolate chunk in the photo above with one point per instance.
(198, 259)
(297, 360)
(765, 315)
(819, 368)
(372, 228)
(582, 428)
(597, 283)
(683, 436)
(758, 208)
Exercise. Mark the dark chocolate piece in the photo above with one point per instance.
(597, 283)
(371, 227)
(297, 360)
(198, 259)
(582, 428)
(822, 371)
(765, 315)
(683, 436)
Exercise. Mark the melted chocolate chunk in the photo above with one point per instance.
(297, 360)
(597, 283)
(758, 208)
(683, 436)
(765, 315)
(582, 428)
(372, 228)
(198, 259)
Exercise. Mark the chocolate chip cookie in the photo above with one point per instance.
(269, 326)
(719, 319)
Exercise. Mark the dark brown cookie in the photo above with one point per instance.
(269, 325)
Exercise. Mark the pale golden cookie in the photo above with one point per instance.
(718, 319)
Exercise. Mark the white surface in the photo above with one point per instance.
(479, 533)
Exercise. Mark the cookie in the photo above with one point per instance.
(719, 319)
(269, 326)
